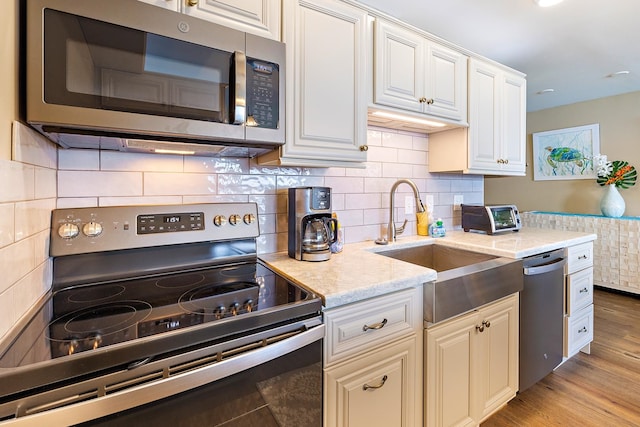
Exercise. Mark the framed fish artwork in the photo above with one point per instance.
(566, 153)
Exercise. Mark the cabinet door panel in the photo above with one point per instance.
(498, 370)
(484, 131)
(385, 402)
(399, 67)
(326, 102)
(447, 77)
(514, 120)
(259, 17)
(449, 372)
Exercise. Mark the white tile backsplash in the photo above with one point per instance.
(84, 178)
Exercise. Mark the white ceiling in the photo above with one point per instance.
(572, 47)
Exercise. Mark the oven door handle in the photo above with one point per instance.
(165, 387)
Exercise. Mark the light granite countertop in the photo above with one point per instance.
(358, 273)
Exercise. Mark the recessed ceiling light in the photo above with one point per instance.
(547, 3)
(619, 73)
(543, 91)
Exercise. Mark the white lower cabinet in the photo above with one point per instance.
(377, 389)
(373, 362)
(471, 365)
(578, 321)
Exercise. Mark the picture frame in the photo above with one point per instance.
(566, 153)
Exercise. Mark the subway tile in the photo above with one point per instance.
(256, 169)
(18, 181)
(420, 143)
(348, 185)
(267, 203)
(267, 223)
(7, 224)
(397, 140)
(382, 154)
(32, 148)
(74, 159)
(246, 184)
(76, 202)
(216, 165)
(174, 184)
(396, 170)
(374, 137)
(412, 157)
(141, 200)
(46, 183)
(216, 198)
(142, 162)
(33, 217)
(287, 181)
(371, 170)
(364, 201)
(16, 260)
(99, 183)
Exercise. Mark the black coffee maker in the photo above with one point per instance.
(311, 228)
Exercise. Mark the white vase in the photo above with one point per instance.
(612, 203)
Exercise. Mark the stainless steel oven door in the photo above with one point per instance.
(270, 378)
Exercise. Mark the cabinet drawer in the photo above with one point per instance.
(578, 331)
(359, 327)
(579, 290)
(579, 257)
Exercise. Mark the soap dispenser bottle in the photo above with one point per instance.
(437, 228)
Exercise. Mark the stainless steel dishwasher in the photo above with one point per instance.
(541, 316)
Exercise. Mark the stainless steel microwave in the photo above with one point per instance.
(125, 75)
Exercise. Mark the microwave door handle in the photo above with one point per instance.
(240, 100)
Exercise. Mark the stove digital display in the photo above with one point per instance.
(169, 223)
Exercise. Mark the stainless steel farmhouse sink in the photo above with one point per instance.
(466, 280)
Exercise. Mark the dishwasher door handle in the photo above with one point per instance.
(545, 268)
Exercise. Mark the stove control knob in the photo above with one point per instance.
(233, 219)
(92, 229)
(234, 309)
(219, 220)
(68, 230)
(249, 219)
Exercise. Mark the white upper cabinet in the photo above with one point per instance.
(495, 142)
(259, 17)
(326, 85)
(412, 73)
(497, 119)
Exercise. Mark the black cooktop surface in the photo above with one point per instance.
(83, 319)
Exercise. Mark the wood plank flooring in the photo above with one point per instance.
(601, 389)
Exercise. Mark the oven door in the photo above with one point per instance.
(271, 378)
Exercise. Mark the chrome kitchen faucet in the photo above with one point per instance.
(392, 230)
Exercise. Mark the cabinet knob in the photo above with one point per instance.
(364, 148)
(379, 385)
(192, 2)
(430, 101)
(485, 324)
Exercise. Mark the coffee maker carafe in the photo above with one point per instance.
(312, 230)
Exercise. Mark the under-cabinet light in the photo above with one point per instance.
(182, 152)
(403, 118)
(547, 3)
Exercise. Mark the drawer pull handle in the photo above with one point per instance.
(583, 329)
(379, 325)
(379, 385)
(582, 257)
(583, 290)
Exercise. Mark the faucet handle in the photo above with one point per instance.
(400, 230)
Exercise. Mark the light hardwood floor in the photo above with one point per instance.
(601, 389)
